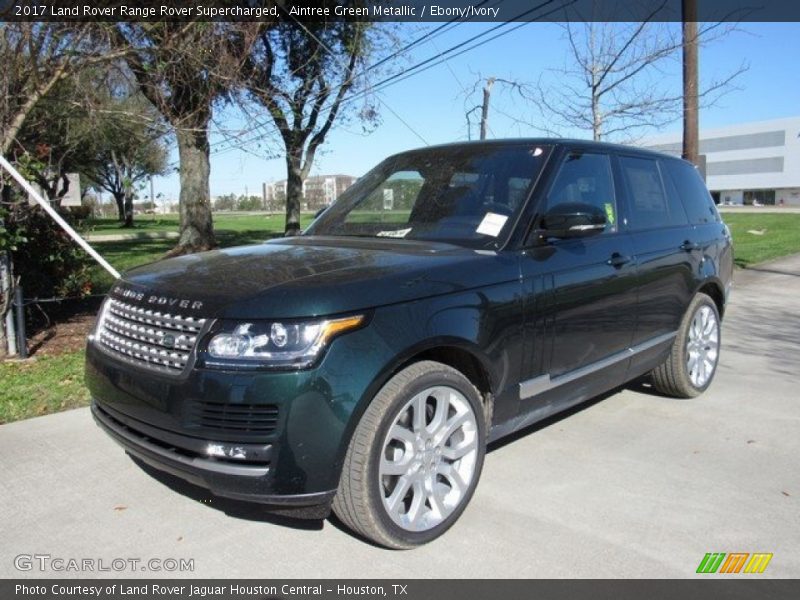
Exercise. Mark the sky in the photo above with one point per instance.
(429, 107)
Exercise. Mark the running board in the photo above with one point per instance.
(545, 383)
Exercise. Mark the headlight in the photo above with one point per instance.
(279, 344)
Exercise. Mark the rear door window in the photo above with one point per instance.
(649, 204)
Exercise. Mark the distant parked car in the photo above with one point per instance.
(367, 363)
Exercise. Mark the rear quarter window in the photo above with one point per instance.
(692, 192)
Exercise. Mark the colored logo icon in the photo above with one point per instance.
(734, 562)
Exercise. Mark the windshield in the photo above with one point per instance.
(465, 195)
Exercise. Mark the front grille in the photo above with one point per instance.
(233, 418)
(157, 340)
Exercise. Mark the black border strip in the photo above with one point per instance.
(394, 10)
(440, 589)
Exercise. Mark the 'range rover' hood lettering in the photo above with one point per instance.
(127, 293)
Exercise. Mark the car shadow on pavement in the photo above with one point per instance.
(552, 420)
(249, 511)
(642, 385)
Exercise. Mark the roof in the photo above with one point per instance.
(584, 144)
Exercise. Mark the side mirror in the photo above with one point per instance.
(573, 219)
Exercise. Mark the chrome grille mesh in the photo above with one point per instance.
(161, 341)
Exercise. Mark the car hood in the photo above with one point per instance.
(310, 276)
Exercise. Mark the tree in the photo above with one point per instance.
(614, 82)
(249, 203)
(301, 74)
(184, 69)
(93, 123)
(35, 57)
(129, 147)
(613, 60)
(226, 202)
(59, 134)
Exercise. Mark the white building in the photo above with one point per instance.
(757, 161)
(318, 190)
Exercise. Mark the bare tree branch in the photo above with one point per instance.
(302, 73)
(616, 78)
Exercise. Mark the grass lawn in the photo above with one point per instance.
(41, 385)
(780, 237)
(223, 223)
(231, 230)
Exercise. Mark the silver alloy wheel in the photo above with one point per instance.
(702, 346)
(428, 458)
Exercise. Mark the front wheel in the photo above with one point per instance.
(688, 370)
(415, 458)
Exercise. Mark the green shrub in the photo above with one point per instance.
(47, 261)
(80, 213)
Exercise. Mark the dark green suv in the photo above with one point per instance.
(450, 297)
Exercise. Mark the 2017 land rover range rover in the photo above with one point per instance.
(452, 296)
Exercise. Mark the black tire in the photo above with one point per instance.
(359, 502)
(673, 376)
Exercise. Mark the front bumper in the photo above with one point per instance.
(298, 422)
(183, 457)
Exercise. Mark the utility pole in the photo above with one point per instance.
(487, 92)
(691, 131)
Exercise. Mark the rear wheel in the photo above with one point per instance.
(415, 458)
(692, 362)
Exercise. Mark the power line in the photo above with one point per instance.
(415, 70)
(341, 62)
(407, 72)
(429, 36)
(428, 63)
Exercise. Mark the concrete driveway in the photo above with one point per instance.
(634, 485)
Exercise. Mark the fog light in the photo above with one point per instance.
(225, 451)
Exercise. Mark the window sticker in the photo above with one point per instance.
(492, 224)
(388, 199)
(609, 212)
(397, 233)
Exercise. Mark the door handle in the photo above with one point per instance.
(617, 260)
(688, 246)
